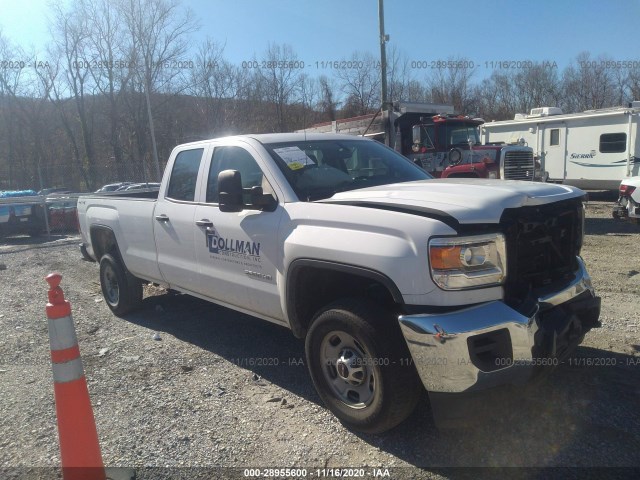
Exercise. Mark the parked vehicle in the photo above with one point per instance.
(112, 187)
(594, 149)
(56, 190)
(390, 276)
(628, 204)
(138, 186)
(443, 144)
(20, 213)
(63, 214)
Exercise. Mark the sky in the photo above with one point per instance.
(424, 31)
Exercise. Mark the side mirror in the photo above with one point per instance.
(230, 191)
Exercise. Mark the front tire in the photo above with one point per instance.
(121, 290)
(360, 366)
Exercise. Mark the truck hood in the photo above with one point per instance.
(468, 201)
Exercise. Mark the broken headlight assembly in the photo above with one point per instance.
(460, 263)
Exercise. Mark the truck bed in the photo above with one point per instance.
(130, 216)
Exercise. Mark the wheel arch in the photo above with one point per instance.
(103, 240)
(313, 283)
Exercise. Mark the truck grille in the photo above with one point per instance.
(542, 245)
(518, 165)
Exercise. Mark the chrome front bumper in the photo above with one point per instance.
(490, 344)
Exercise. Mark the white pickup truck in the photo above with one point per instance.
(392, 278)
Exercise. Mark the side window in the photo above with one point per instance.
(430, 137)
(234, 158)
(554, 138)
(182, 184)
(613, 142)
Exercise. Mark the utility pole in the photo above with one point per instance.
(383, 55)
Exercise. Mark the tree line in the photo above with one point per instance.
(122, 82)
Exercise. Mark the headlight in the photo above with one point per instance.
(468, 262)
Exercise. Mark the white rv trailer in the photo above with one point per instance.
(594, 149)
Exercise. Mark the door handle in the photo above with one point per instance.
(162, 218)
(204, 223)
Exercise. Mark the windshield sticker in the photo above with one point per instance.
(294, 157)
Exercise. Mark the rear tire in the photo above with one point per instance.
(121, 290)
(360, 366)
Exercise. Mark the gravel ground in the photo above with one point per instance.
(182, 383)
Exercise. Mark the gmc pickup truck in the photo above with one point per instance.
(394, 280)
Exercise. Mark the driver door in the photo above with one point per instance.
(238, 253)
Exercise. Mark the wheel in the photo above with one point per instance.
(359, 364)
(121, 290)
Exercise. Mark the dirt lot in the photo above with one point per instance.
(197, 397)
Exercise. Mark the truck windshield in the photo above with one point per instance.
(319, 169)
(457, 134)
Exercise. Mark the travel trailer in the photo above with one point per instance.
(594, 149)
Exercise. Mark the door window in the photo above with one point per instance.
(182, 184)
(234, 158)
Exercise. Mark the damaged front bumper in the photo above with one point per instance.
(492, 344)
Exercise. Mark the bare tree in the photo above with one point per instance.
(111, 68)
(452, 84)
(588, 84)
(9, 84)
(282, 80)
(536, 87)
(633, 82)
(215, 82)
(302, 113)
(57, 93)
(496, 97)
(72, 45)
(398, 75)
(327, 104)
(159, 33)
(28, 126)
(622, 86)
(251, 112)
(415, 91)
(360, 84)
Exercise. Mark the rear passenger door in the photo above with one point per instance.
(174, 228)
(238, 252)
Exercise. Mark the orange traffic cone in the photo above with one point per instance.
(79, 447)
